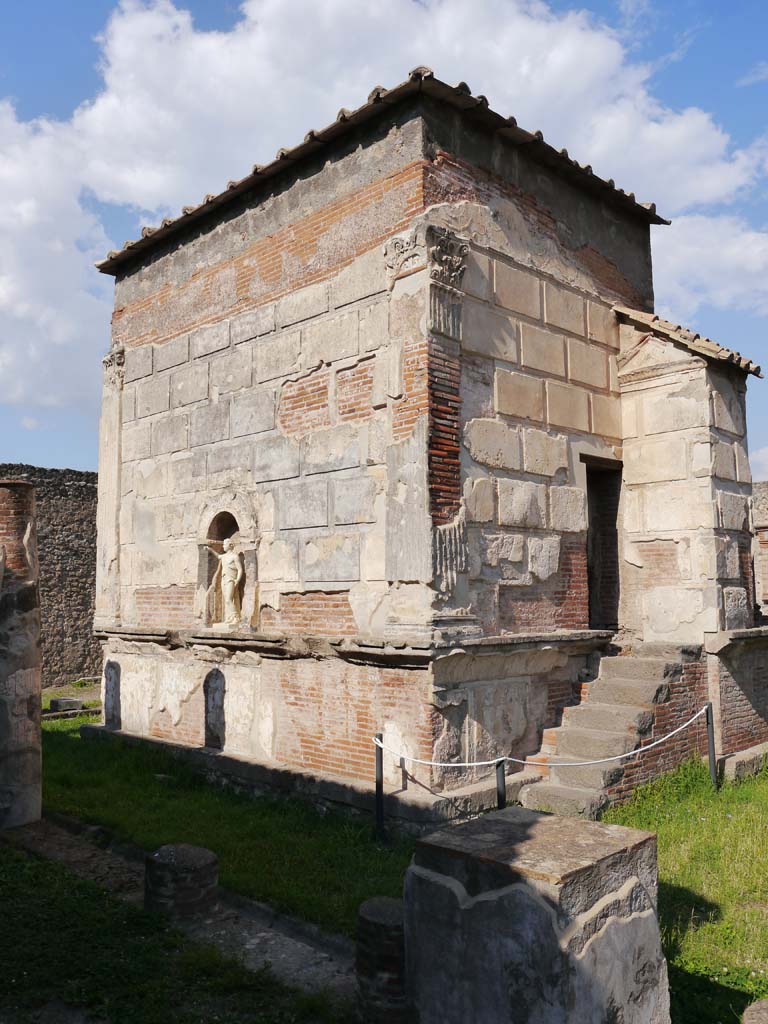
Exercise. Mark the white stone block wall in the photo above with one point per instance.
(290, 407)
(686, 557)
(539, 390)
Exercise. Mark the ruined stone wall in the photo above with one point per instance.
(314, 716)
(66, 531)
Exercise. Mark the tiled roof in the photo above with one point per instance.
(695, 342)
(421, 80)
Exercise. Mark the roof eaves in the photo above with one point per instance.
(697, 343)
(421, 79)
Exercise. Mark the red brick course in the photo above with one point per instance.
(304, 403)
(354, 391)
(330, 710)
(278, 263)
(559, 603)
(315, 613)
(165, 607)
(444, 450)
(17, 507)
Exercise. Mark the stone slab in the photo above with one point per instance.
(189, 385)
(543, 350)
(517, 290)
(252, 324)
(208, 339)
(517, 843)
(172, 353)
(516, 394)
(275, 357)
(253, 413)
(138, 363)
(487, 333)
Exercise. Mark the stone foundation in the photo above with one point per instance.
(271, 702)
(20, 740)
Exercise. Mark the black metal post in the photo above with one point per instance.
(710, 718)
(379, 828)
(501, 786)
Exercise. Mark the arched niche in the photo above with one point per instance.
(230, 518)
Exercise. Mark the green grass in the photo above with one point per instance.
(67, 941)
(318, 867)
(713, 898)
(713, 859)
(83, 689)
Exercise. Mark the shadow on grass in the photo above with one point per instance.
(319, 866)
(681, 910)
(699, 999)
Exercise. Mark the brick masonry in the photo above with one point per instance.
(687, 694)
(66, 537)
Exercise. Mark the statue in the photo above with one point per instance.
(232, 572)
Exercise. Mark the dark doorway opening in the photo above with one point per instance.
(215, 725)
(603, 494)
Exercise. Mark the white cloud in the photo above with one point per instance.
(758, 461)
(181, 111)
(720, 261)
(759, 73)
(30, 423)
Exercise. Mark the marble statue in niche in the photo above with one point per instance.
(231, 573)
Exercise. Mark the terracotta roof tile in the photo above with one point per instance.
(694, 342)
(420, 80)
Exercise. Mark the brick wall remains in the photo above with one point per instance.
(687, 694)
(743, 684)
(66, 538)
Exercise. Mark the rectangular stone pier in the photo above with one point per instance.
(527, 918)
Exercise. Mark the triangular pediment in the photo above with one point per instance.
(650, 355)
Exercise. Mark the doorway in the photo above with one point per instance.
(603, 495)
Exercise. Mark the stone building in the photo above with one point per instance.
(392, 440)
(66, 535)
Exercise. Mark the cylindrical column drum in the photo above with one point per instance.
(20, 672)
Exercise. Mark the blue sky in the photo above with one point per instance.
(115, 115)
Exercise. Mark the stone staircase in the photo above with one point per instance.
(615, 713)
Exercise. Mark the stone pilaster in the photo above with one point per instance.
(108, 514)
(20, 659)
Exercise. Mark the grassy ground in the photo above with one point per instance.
(67, 943)
(83, 689)
(713, 899)
(713, 859)
(317, 867)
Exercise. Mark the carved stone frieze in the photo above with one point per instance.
(114, 367)
(403, 255)
(447, 257)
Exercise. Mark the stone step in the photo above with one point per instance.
(539, 763)
(585, 744)
(640, 692)
(593, 776)
(630, 667)
(569, 801)
(609, 717)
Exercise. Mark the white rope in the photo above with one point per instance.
(540, 764)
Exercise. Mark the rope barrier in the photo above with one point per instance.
(540, 764)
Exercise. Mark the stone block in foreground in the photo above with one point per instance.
(181, 880)
(527, 918)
